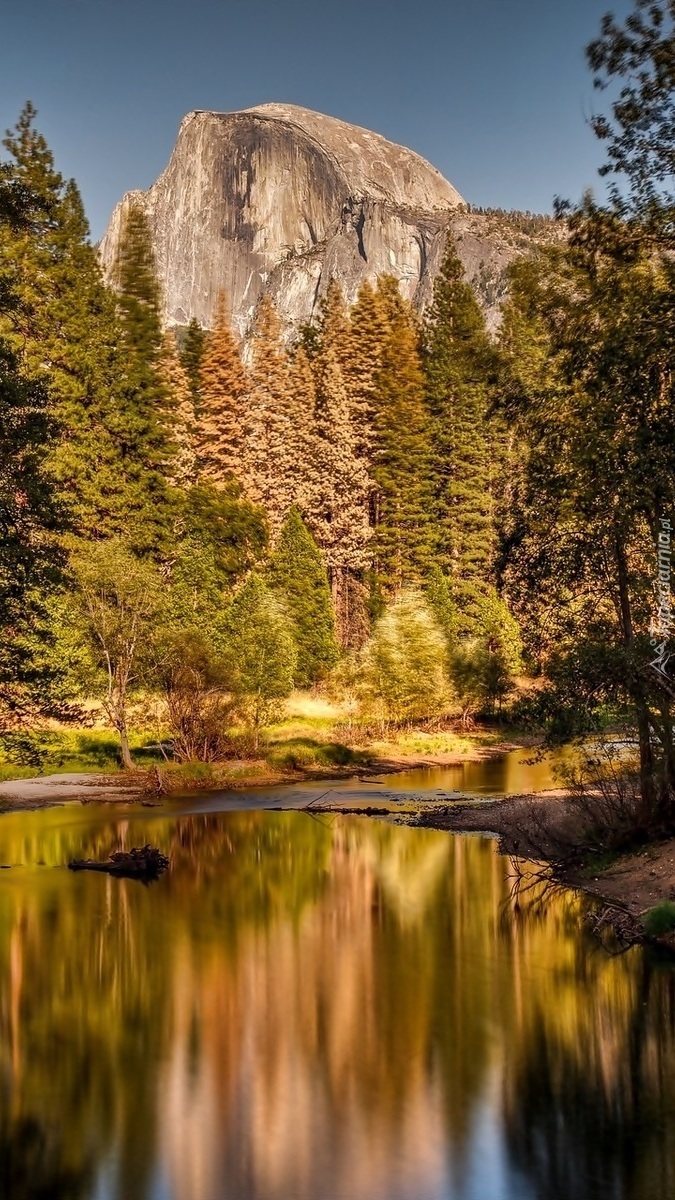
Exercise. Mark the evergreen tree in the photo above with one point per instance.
(269, 465)
(30, 556)
(65, 327)
(150, 415)
(404, 663)
(338, 510)
(191, 354)
(301, 408)
(175, 380)
(458, 365)
(262, 654)
(367, 335)
(298, 576)
(438, 594)
(223, 388)
(401, 453)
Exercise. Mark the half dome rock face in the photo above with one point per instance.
(281, 199)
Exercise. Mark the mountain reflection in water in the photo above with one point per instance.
(316, 1009)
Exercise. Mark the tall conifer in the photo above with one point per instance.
(69, 336)
(298, 576)
(401, 452)
(222, 403)
(270, 461)
(149, 414)
(177, 383)
(338, 512)
(458, 363)
(191, 354)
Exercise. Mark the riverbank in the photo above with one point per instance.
(631, 883)
(142, 785)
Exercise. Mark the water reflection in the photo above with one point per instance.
(510, 774)
(309, 1009)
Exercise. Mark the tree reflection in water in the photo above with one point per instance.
(308, 1009)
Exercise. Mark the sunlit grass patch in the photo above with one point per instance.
(299, 753)
(64, 751)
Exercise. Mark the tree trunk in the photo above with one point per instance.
(127, 760)
(636, 687)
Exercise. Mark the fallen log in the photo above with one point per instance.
(145, 863)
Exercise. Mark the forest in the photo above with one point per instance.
(427, 523)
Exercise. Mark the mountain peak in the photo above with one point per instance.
(280, 199)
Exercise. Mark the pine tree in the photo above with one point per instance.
(66, 328)
(298, 576)
(150, 412)
(367, 334)
(269, 457)
(404, 663)
(223, 389)
(191, 354)
(301, 445)
(438, 595)
(262, 654)
(458, 365)
(334, 323)
(401, 452)
(175, 379)
(338, 510)
(31, 519)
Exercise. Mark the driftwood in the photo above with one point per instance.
(146, 863)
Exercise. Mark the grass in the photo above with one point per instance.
(62, 751)
(660, 919)
(300, 753)
(316, 733)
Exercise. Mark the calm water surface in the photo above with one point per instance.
(328, 1008)
(506, 774)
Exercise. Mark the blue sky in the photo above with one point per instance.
(495, 94)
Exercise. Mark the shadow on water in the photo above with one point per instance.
(338, 1009)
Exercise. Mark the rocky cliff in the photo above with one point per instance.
(281, 199)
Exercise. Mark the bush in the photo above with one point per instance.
(660, 919)
(403, 666)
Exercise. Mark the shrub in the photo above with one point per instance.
(660, 919)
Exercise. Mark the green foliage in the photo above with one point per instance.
(224, 523)
(485, 648)
(637, 133)
(31, 515)
(195, 677)
(113, 609)
(459, 364)
(191, 353)
(400, 450)
(660, 919)
(439, 597)
(298, 577)
(402, 667)
(587, 337)
(110, 456)
(296, 754)
(262, 654)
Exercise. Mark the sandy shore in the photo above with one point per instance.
(42, 791)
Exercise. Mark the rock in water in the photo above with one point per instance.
(280, 199)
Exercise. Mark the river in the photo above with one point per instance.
(317, 1007)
